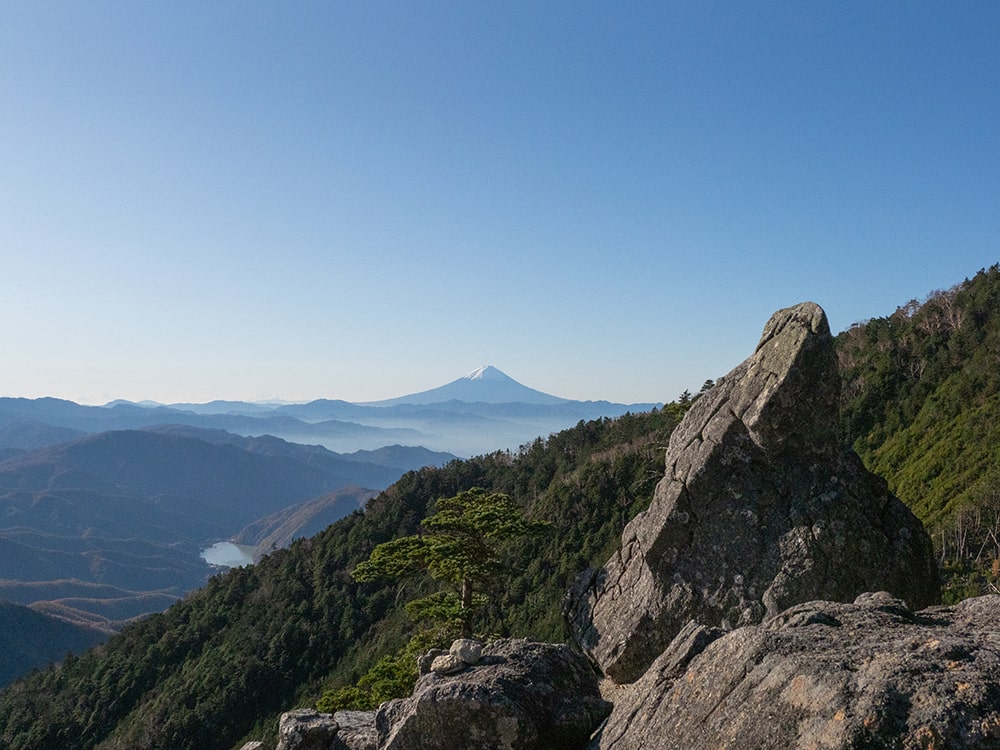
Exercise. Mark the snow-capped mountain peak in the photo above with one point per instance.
(486, 372)
(485, 384)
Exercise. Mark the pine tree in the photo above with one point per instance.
(463, 544)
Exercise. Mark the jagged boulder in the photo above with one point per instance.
(823, 675)
(760, 508)
(520, 695)
(306, 729)
(355, 731)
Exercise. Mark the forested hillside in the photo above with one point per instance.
(921, 405)
(30, 639)
(258, 640)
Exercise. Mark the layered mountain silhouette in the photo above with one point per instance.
(30, 640)
(483, 411)
(104, 510)
(109, 526)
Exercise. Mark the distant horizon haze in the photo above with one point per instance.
(472, 375)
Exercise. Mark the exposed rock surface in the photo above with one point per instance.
(823, 675)
(521, 695)
(463, 653)
(447, 664)
(760, 508)
(467, 650)
(355, 731)
(510, 695)
(306, 729)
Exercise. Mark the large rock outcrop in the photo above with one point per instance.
(308, 729)
(305, 729)
(512, 694)
(823, 675)
(760, 508)
(520, 695)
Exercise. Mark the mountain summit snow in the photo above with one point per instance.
(484, 372)
(485, 384)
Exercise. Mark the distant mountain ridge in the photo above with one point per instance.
(483, 411)
(103, 509)
(305, 520)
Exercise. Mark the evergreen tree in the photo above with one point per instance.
(462, 544)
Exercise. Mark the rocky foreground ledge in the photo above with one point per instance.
(517, 695)
(871, 674)
(735, 616)
(822, 675)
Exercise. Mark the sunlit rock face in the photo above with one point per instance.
(760, 508)
(870, 674)
(520, 695)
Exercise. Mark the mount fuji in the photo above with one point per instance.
(486, 385)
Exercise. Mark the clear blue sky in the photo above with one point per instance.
(360, 200)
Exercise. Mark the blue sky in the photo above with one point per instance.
(359, 200)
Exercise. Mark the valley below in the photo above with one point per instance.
(111, 513)
(119, 524)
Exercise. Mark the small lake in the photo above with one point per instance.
(229, 555)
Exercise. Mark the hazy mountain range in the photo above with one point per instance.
(484, 411)
(29, 639)
(104, 510)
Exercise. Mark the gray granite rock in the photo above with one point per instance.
(425, 661)
(356, 731)
(521, 695)
(306, 729)
(468, 650)
(447, 664)
(760, 508)
(826, 675)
